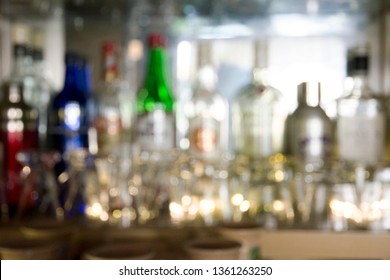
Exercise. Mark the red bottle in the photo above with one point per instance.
(18, 132)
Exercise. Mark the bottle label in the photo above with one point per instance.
(262, 131)
(109, 132)
(204, 137)
(314, 148)
(361, 138)
(313, 139)
(156, 131)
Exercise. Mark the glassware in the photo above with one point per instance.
(271, 193)
(360, 115)
(382, 202)
(199, 192)
(310, 129)
(107, 122)
(259, 114)
(239, 189)
(313, 195)
(344, 197)
(151, 179)
(68, 125)
(19, 131)
(155, 102)
(82, 198)
(207, 111)
(41, 88)
(119, 189)
(38, 179)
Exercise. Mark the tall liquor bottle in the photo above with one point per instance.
(310, 129)
(68, 118)
(41, 87)
(18, 132)
(207, 111)
(155, 102)
(258, 113)
(360, 115)
(107, 121)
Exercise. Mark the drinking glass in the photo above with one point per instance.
(151, 180)
(199, 192)
(118, 190)
(40, 195)
(271, 194)
(83, 195)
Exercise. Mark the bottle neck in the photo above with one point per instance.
(22, 62)
(360, 85)
(110, 73)
(206, 79)
(260, 62)
(86, 79)
(156, 67)
(70, 78)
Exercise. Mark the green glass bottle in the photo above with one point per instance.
(156, 102)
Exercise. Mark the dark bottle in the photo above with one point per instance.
(156, 102)
(68, 117)
(19, 132)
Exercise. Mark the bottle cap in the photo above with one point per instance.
(358, 60)
(309, 93)
(109, 46)
(156, 40)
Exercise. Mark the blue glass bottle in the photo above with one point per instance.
(68, 128)
(68, 124)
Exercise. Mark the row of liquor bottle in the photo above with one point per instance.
(32, 118)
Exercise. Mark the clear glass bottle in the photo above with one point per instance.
(19, 132)
(360, 129)
(107, 122)
(310, 129)
(155, 102)
(207, 111)
(258, 113)
(41, 88)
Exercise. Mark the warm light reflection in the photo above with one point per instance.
(278, 206)
(244, 206)
(206, 207)
(237, 199)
